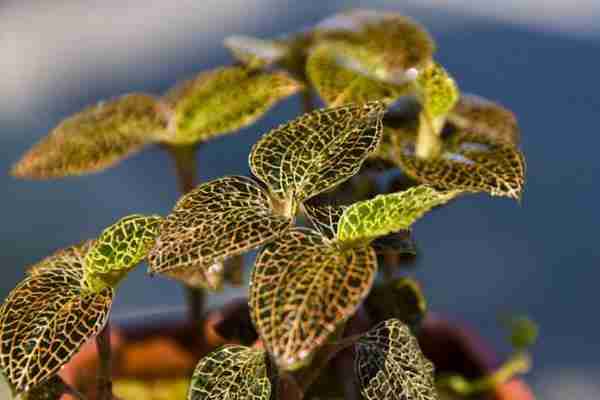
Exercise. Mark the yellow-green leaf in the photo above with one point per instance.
(476, 114)
(224, 100)
(46, 318)
(255, 52)
(470, 161)
(231, 372)
(217, 220)
(156, 389)
(338, 84)
(120, 248)
(317, 150)
(383, 45)
(367, 220)
(95, 138)
(389, 364)
(302, 288)
(437, 90)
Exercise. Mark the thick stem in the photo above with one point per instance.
(308, 103)
(429, 141)
(184, 158)
(104, 381)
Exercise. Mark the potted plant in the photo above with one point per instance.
(330, 312)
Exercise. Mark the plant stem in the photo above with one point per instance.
(104, 381)
(308, 103)
(71, 391)
(429, 141)
(184, 158)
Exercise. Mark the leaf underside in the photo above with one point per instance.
(217, 220)
(231, 372)
(123, 245)
(390, 365)
(302, 287)
(367, 220)
(338, 85)
(384, 42)
(317, 150)
(476, 114)
(94, 139)
(470, 162)
(46, 318)
(224, 100)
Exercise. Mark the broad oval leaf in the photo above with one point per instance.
(338, 84)
(46, 318)
(389, 364)
(255, 52)
(217, 220)
(476, 114)
(302, 288)
(470, 161)
(95, 138)
(231, 372)
(224, 100)
(367, 220)
(121, 247)
(317, 150)
(384, 45)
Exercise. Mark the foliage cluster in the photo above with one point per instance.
(388, 104)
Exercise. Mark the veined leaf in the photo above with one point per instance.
(231, 372)
(217, 220)
(302, 287)
(476, 114)
(367, 220)
(120, 248)
(437, 90)
(95, 138)
(338, 84)
(52, 389)
(383, 45)
(316, 151)
(255, 52)
(390, 365)
(46, 318)
(56, 260)
(470, 161)
(324, 218)
(224, 100)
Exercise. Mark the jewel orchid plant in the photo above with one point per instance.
(318, 265)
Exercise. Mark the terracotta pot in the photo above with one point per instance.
(171, 348)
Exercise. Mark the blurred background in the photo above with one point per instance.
(481, 257)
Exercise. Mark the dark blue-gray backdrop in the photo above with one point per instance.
(481, 257)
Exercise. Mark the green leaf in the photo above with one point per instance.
(338, 85)
(470, 161)
(224, 100)
(437, 90)
(96, 138)
(231, 372)
(523, 331)
(155, 389)
(46, 318)
(390, 365)
(324, 218)
(302, 288)
(255, 52)
(383, 45)
(120, 248)
(367, 220)
(476, 114)
(215, 221)
(317, 150)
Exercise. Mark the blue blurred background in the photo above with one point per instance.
(480, 257)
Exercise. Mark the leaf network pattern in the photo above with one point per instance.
(47, 318)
